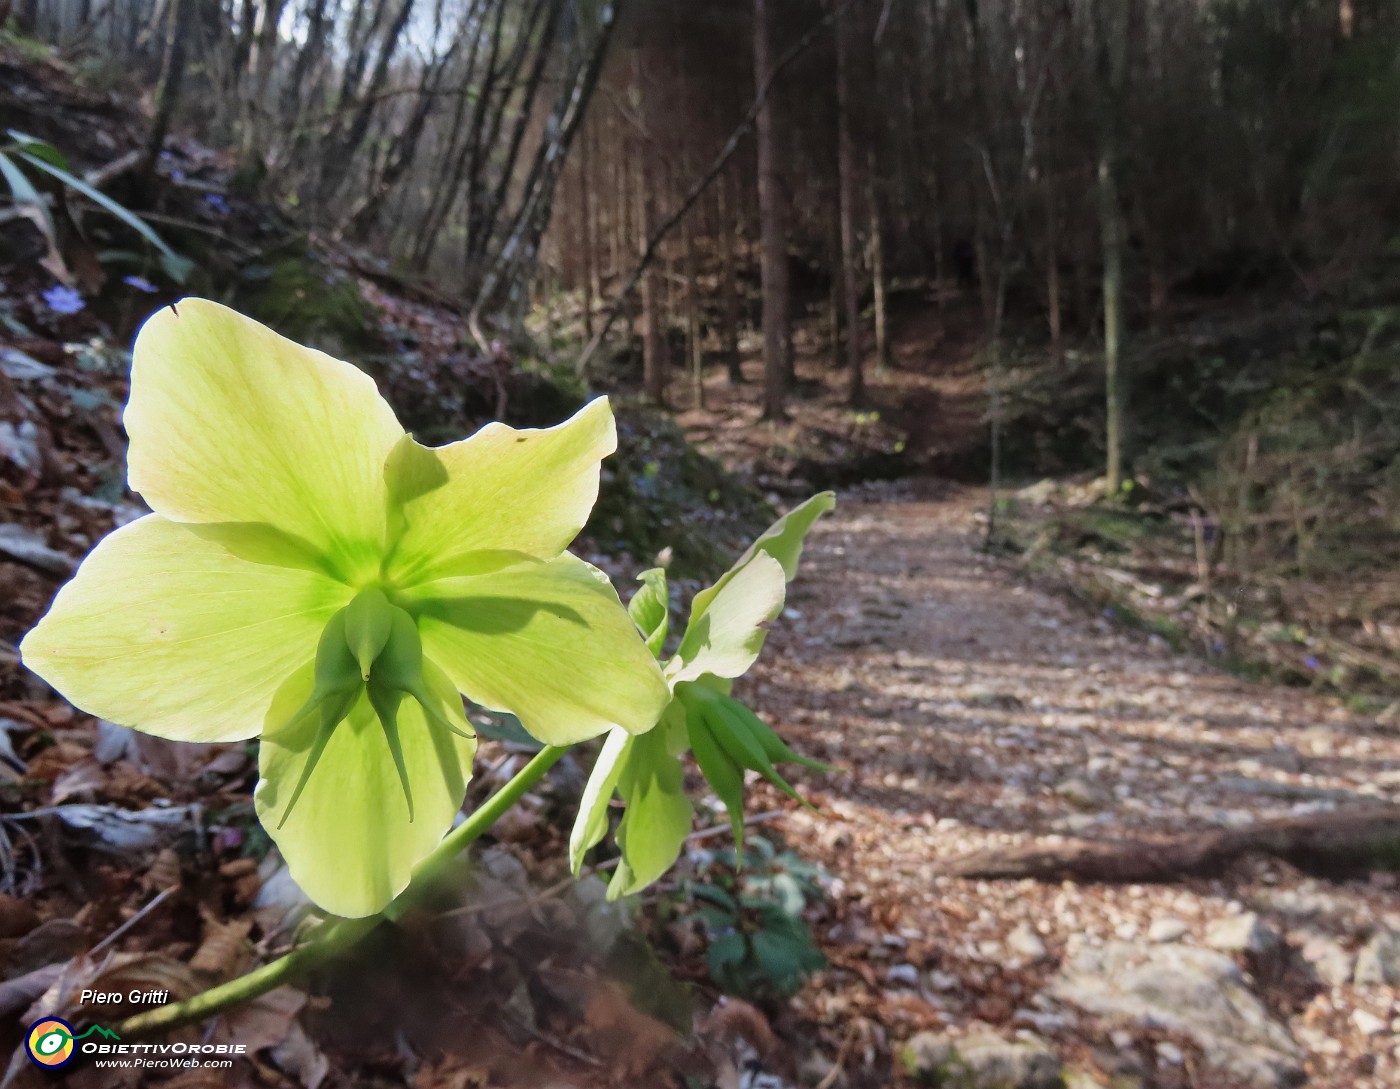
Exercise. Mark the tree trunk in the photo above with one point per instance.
(846, 184)
(1054, 315)
(1110, 29)
(588, 261)
(729, 287)
(875, 255)
(773, 238)
(172, 75)
(653, 342)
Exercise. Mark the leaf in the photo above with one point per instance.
(42, 148)
(726, 951)
(720, 771)
(650, 608)
(103, 201)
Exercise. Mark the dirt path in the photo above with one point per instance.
(969, 710)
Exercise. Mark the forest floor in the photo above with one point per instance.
(970, 711)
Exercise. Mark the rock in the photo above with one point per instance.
(1167, 930)
(943, 981)
(1367, 1023)
(1245, 933)
(903, 975)
(1379, 960)
(1168, 1052)
(1027, 942)
(1199, 993)
(1329, 962)
(1084, 794)
(980, 1061)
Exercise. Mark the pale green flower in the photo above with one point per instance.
(314, 577)
(727, 628)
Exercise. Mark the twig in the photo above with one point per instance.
(156, 900)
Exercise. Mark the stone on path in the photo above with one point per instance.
(1198, 993)
(1378, 962)
(981, 1061)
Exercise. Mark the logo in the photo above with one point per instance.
(51, 1043)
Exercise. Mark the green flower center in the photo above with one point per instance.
(371, 647)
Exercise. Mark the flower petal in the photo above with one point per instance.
(167, 631)
(657, 814)
(230, 422)
(591, 824)
(782, 540)
(349, 842)
(548, 642)
(726, 638)
(502, 490)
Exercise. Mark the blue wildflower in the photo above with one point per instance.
(63, 300)
(217, 203)
(1311, 662)
(140, 283)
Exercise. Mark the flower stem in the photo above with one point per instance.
(334, 937)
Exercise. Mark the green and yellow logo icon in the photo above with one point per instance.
(50, 1043)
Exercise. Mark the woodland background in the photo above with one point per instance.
(1100, 297)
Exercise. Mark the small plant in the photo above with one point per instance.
(46, 159)
(760, 947)
(315, 578)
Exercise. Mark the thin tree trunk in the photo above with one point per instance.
(653, 343)
(1052, 274)
(774, 240)
(1110, 226)
(729, 286)
(588, 258)
(846, 199)
(172, 75)
(1110, 26)
(876, 251)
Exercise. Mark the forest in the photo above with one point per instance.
(761, 544)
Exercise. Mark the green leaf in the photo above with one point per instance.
(726, 951)
(715, 895)
(650, 608)
(720, 770)
(776, 749)
(103, 201)
(24, 193)
(782, 540)
(42, 148)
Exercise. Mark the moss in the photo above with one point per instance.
(659, 492)
(308, 301)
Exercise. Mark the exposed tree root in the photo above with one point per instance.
(1351, 839)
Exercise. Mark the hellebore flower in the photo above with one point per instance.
(313, 576)
(723, 639)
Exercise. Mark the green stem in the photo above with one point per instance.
(335, 937)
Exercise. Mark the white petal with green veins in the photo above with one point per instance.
(547, 641)
(350, 842)
(166, 631)
(230, 422)
(502, 490)
(727, 638)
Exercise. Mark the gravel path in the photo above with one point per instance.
(968, 710)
